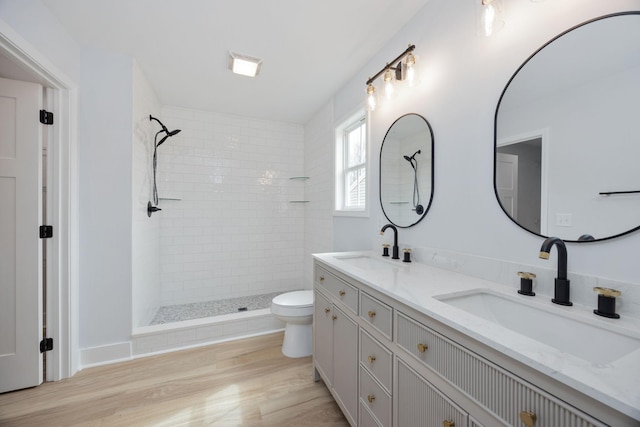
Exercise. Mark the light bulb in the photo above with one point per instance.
(491, 16)
(410, 72)
(488, 18)
(388, 84)
(371, 97)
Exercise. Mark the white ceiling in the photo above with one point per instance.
(310, 48)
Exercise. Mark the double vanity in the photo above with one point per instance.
(434, 343)
(409, 344)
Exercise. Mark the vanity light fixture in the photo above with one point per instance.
(491, 19)
(244, 65)
(403, 70)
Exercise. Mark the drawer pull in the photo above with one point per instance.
(327, 310)
(321, 278)
(334, 317)
(372, 359)
(371, 314)
(342, 293)
(447, 423)
(528, 418)
(371, 398)
(422, 347)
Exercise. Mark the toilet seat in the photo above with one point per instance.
(293, 304)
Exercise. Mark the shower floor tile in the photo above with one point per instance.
(197, 310)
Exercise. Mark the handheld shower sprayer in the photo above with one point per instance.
(154, 207)
(416, 192)
(165, 130)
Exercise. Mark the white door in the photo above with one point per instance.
(507, 182)
(20, 245)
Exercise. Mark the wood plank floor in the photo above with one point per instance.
(241, 383)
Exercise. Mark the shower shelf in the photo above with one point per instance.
(298, 178)
(170, 198)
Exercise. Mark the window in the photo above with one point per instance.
(351, 166)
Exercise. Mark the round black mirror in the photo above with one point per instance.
(406, 170)
(567, 142)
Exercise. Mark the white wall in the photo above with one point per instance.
(146, 231)
(37, 25)
(318, 166)
(462, 76)
(234, 231)
(105, 174)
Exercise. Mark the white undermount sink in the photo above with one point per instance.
(579, 337)
(366, 262)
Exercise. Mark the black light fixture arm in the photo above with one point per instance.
(410, 49)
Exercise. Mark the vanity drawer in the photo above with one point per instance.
(374, 398)
(366, 418)
(376, 359)
(498, 390)
(338, 288)
(377, 314)
(418, 339)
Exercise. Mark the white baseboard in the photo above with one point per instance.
(106, 354)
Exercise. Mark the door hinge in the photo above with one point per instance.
(46, 345)
(46, 231)
(46, 118)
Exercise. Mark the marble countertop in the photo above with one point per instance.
(616, 383)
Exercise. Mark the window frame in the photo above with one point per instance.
(352, 122)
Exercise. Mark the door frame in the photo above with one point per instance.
(62, 198)
(543, 134)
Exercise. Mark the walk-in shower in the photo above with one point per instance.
(230, 235)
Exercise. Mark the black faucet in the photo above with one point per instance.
(561, 288)
(395, 239)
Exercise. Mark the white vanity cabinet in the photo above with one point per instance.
(335, 340)
(388, 364)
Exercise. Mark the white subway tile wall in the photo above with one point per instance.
(233, 230)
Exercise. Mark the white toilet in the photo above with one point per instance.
(295, 309)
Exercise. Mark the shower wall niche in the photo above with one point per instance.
(227, 228)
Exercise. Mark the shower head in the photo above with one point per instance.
(412, 159)
(166, 136)
(409, 159)
(165, 130)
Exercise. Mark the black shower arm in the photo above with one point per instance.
(164, 128)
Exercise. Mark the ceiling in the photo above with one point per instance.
(309, 48)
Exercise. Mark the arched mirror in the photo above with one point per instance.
(406, 170)
(567, 140)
